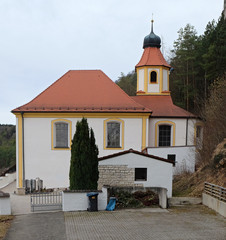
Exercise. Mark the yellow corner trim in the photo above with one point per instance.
(162, 123)
(121, 133)
(20, 151)
(144, 131)
(52, 133)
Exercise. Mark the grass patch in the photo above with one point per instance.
(5, 222)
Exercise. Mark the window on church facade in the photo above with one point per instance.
(61, 135)
(113, 135)
(164, 135)
(153, 77)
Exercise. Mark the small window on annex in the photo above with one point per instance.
(61, 135)
(164, 135)
(140, 174)
(153, 77)
(113, 135)
(171, 157)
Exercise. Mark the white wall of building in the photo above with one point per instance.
(182, 131)
(165, 86)
(141, 79)
(52, 166)
(185, 157)
(159, 173)
(154, 87)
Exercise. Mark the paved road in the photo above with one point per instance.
(188, 223)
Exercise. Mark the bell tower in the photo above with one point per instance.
(152, 69)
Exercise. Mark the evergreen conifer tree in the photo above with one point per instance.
(84, 160)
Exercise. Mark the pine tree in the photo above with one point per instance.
(84, 160)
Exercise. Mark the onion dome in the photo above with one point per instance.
(152, 40)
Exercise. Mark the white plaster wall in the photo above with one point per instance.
(185, 157)
(52, 166)
(78, 201)
(141, 79)
(154, 88)
(5, 207)
(165, 86)
(180, 131)
(191, 131)
(159, 173)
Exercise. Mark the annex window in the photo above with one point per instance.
(61, 134)
(171, 157)
(164, 135)
(140, 174)
(113, 134)
(153, 77)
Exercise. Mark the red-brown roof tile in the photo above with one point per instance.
(152, 56)
(83, 91)
(162, 106)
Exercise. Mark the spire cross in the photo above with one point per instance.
(152, 23)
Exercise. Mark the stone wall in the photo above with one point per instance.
(116, 175)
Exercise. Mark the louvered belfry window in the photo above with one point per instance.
(164, 135)
(61, 135)
(113, 135)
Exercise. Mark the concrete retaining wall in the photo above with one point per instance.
(78, 200)
(214, 203)
(7, 179)
(177, 201)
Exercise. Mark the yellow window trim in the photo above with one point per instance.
(121, 131)
(149, 77)
(163, 123)
(52, 133)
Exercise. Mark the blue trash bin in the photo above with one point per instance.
(93, 203)
(111, 204)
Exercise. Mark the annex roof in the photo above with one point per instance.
(162, 106)
(83, 91)
(135, 152)
(152, 56)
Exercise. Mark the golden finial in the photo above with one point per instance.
(152, 20)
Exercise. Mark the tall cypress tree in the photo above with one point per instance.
(84, 160)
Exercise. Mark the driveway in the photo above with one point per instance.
(192, 222)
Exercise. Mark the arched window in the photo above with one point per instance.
(153, 77)
(113, 134)
(61, 134)
(164, 135)
(61, 130)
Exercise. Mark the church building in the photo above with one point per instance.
(149, 123)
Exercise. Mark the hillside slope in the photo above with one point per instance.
(188, 184)
(7, 146)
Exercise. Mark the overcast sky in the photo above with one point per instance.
(42, 39)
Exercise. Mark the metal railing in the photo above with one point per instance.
(215, 191)
(46, 201)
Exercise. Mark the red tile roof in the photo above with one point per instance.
(162, 106)
(83, 91)
(152, 56)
